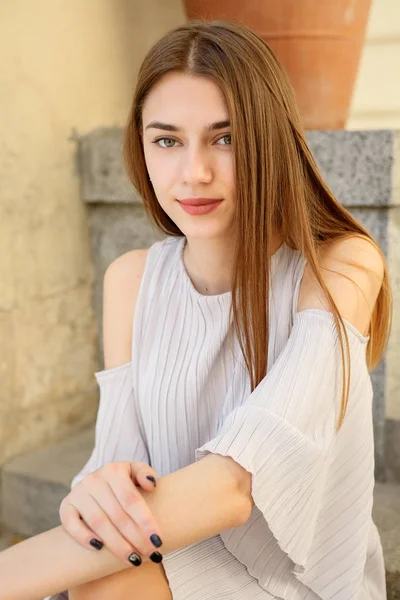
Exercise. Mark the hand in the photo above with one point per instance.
(107, 506)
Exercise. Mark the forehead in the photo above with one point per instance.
(179, 97)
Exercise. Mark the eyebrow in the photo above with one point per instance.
(168, 127)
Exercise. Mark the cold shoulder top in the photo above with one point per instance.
(186, 393)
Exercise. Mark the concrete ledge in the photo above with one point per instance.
(103, 175)
(386, 515)
(357, 165)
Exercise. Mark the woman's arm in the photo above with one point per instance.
(191, 504)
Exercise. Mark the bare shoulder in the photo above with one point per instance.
(352, 270)
(120, 290)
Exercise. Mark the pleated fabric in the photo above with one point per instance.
(186, 393)
(117, 412)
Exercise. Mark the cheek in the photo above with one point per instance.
(163, 189)
(160, 170)
(148, 162)
(163, 180)
(226, 165)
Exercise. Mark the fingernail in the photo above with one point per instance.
(96, 544)
(152, 479)
(155, 540)
(135, 559)
(156, 557)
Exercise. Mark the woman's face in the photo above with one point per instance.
(185, 159)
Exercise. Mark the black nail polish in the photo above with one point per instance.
(96, 544)
(156, 557)
(152, 479)
(135, 559)
(155, 540)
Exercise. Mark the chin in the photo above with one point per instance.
(204, 231)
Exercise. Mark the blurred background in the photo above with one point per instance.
(67, 75)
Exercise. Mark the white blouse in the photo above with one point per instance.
(186, 393)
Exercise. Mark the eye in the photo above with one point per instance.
(162, 139)
(227, 135)
(168, 139)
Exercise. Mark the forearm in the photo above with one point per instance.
(49, 563)
(200, 501)
(189, 505)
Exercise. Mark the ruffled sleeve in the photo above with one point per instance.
(119, 435)
(284, 435)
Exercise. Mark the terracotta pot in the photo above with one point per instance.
(319, 44)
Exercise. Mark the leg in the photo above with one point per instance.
(146, 582)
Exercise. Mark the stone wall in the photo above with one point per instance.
(66, 69)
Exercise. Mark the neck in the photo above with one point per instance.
(209, 263)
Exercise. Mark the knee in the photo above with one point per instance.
(87, 591)
(99, 589)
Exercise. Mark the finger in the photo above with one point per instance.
(146, 477)
(133, 517)
(140, 474)
(77, 528)
(99, 522)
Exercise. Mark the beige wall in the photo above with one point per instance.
(376, 99)
(66, 67)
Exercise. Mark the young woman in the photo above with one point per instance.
(234, 453)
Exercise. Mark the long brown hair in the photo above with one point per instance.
(278, 185)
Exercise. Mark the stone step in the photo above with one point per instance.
(386, 514)
(33, 485)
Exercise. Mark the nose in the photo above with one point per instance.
(196, 166)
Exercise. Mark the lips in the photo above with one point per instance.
(198, 201)
(200, 209)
